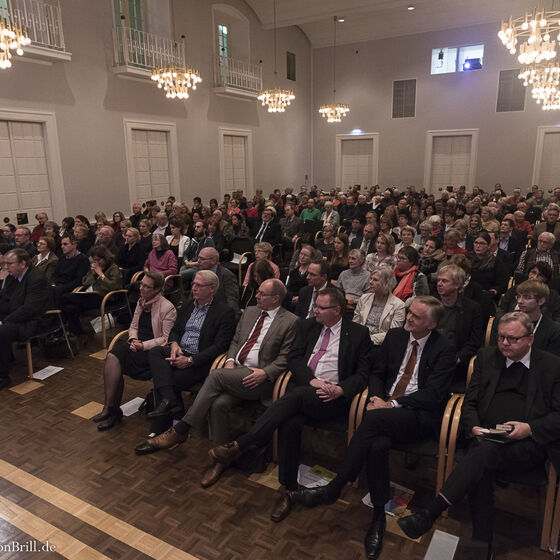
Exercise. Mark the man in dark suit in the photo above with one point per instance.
(269, 231)
(509, 243)
(317, 278)
(209, 259)
(513, 384)
(203, 330)
(550, 224)
(408, 388)
(532, 296)
(257, 355)
(462, 321)
(24, 299)
(367, 241)
(329, 362)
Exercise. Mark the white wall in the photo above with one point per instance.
(90, 103)
(365, 74)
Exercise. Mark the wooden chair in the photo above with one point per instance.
(46, 331)
(488, 332)
(511, 282)
(536, 477)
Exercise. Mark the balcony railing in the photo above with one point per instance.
(238, 74)
(42, 21)
(145, 50)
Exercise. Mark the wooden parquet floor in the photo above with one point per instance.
(86, 491)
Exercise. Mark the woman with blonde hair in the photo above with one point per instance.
(384, 255)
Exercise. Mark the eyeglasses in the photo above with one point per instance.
(480, 243)
(321, 308)
(262, 294)
(511, 339)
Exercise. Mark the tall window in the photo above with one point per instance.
(4, 12)
(223, 40)
(290, 66)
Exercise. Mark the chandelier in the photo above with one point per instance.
(176, 81)
(13, 37)
(537, 53)
(335, 111)
(276, 99)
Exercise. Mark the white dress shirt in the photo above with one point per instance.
(313, 298)
(413, 383)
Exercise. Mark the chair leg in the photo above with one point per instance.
(551, 519)
(29, 360)
(65, 335)
(103, 331)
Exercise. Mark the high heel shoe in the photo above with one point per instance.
(111, 420)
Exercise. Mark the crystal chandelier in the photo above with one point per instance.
(535, 30)
(544, 80)
(335, 111)
(13, 37)
(276, 99)
(176, 81)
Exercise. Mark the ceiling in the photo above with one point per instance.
(366, 20)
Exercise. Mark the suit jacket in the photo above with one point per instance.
(303, 302)
(272, 234)
(540, 228)
(543, 396)
(229, 288)
(273, 352)
(216, 332)
(353, 355)
(468, 330)
(162, 316)
(23, 303)
(435, 372)
(392, 316)
(515, 249)
(357, 243)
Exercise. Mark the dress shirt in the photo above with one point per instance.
(191, 336)
(252, 359)
(261, 231)
(413, 383)
(40, 259)
(526, 360)
(20, 278)
(313, 298)
(327, 368)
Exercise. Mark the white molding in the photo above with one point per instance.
(52, 152)
(172, 153)
(431, 134)
(374, 160)
(248, 134)
(541, 132)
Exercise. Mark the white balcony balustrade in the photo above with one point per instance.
(237, 77)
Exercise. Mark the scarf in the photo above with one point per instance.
(405, 281)
(483, 262)
(146, 304)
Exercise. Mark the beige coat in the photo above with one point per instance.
(163, 318)
(392, 316)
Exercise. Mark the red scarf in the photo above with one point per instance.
(405, 281)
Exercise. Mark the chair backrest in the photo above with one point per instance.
(488, 332)
(241, 245)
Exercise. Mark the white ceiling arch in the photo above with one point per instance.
(367, 20)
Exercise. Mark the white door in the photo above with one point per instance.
(549, 174)
(24, 177)
(357, 162)
(234, 163)
(451, 161)
(151, 165)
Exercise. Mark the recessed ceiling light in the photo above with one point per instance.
(410, 8)
(340, 20)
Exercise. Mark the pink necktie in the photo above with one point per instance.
(322, 351)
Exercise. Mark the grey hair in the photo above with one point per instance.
(386, 277)
(457, 274)
(209, 277)
(547, 236)
(360, 254)
(523, 318)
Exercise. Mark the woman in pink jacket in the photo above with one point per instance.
(161, 258)
(152, 322)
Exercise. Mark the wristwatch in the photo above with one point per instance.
(190, 361)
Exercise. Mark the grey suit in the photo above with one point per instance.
(224, 388)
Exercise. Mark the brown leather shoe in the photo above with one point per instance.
(226, 453)
(166, 440)
(212, 474)
(282, 508)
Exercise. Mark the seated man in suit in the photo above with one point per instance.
(329, 362)
(367, 242)
(532, 296)
(462, 320)
(317, 278)
(508, 242)
(203, 330)
(515, 384)
(269, 231)
(290, 226)
(408, 388)
(24, 299)
(209, 259)
(549, 224)
(258, 354)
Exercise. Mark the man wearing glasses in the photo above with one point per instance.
(258, 354)
(329, 362)
(24, 299)
(203, 330)
(514, 384)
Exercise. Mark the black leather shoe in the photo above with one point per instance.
(282, 508)
(103, 415)
(110, 421)
(312, 497)
(417, 524)
(373, 540)
(166, 407)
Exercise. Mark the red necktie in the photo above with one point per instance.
(254, 337)
(400, 389)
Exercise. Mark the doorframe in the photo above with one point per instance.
(374, 153)
(542, 131)
(245, 133)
